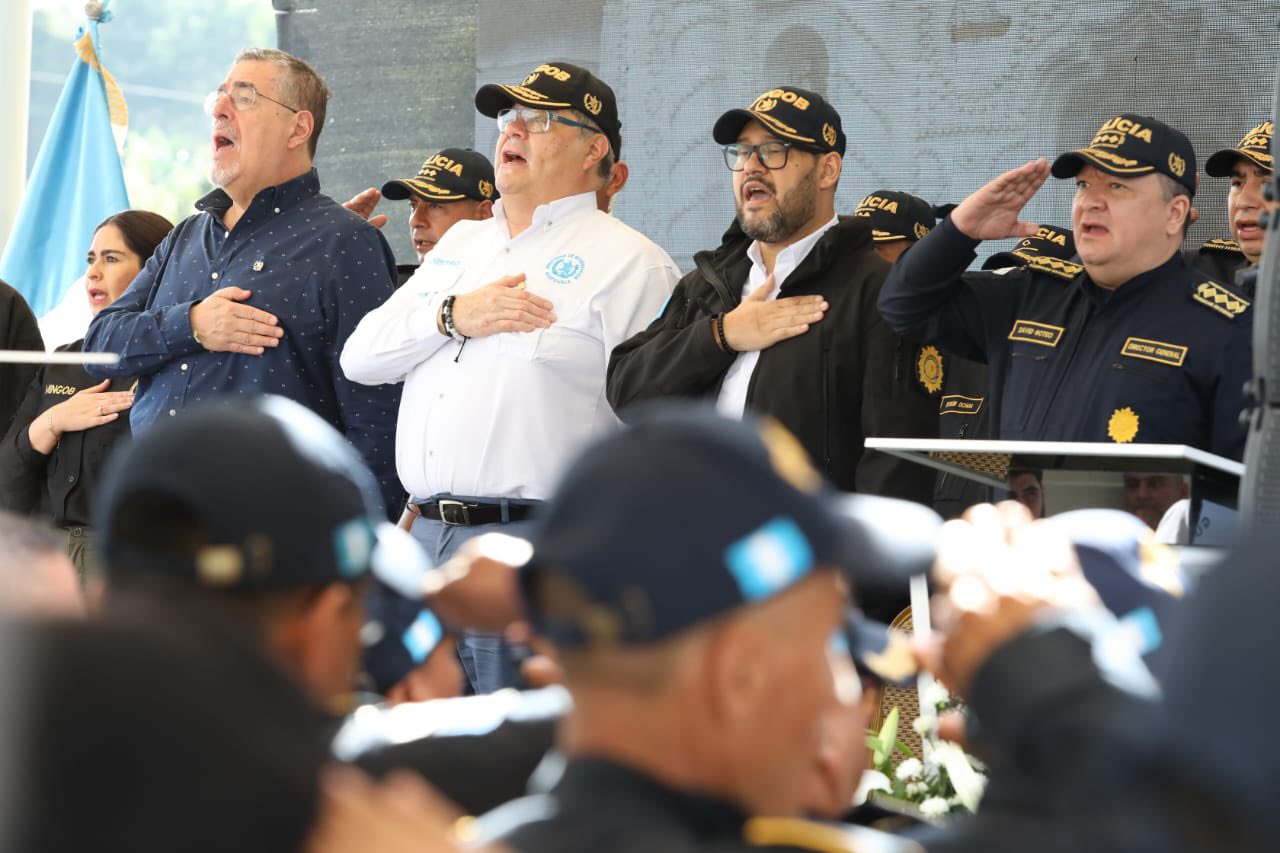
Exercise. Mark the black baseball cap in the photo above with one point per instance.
(448, 175)
(1254, 147)
(790, 113)
(686, 515)
(896, 216)
(267, 496)
(1050, 241)
(1130, 145)
(558, 86)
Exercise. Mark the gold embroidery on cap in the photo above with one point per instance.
(592, 103)
(958, 404)
(829, 134)
(1036, 333)
(1123, 426)
(763, 105)
(1220, 299)
(1177, 165)
(929, 369)
(920, 230)
(772, 97)
(486, 189)
(219, 565)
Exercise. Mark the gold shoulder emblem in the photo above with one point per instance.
(929, 369)
(1055, 267)
(1215, 296)
(1123, 426)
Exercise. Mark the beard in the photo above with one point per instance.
(220, 176)
(791, 212)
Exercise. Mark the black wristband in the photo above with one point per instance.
(721, 340)
(446, 319)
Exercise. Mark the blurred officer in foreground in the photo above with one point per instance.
(697, 654)
(262, 509)
(1131, 346)
(1249, 166)
(36, 576)
(151, 735)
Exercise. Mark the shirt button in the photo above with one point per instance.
(184, 367)
(71, 478)
(226, 233)
(173, 412)
(214, 276)
(277, 210)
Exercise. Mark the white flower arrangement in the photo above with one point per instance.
(943, 781)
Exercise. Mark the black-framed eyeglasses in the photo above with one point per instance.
(772, 154)
(537, 121)
(243, 96)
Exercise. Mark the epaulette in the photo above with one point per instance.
(1218, 244)
(797, 834)
(1220, 298)
(1053, 266)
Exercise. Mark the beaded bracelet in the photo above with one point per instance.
(721, 340)
(446, 319)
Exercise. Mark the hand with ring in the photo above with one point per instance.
(90, 407)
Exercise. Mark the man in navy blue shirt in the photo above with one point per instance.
(1131, 345)
(257, 292)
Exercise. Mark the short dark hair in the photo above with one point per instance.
(142, 230)
(1171, 189)
(299, 86)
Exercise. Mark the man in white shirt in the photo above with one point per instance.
(503, 336)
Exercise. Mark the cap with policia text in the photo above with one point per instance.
(558, 86)
(1131, 145)
(896, 216)
(1049, 241)
(450, 175)
(262, 494)
(1255, 147)
(791, 114)
(703, 515)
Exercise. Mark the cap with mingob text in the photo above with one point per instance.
(449, 175)
(704, 515)
(791, 114)
(1132, 145)
(558, 86)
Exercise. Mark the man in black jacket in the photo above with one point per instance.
(781, 318)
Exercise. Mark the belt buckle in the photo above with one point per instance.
(454, 512)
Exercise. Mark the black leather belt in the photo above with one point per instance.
(470, 514)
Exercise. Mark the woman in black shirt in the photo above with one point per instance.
(51, 457)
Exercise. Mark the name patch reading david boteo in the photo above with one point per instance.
(1036, 333)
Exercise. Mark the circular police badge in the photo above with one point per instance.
(1123, 426)
(565, 268)
(929, 369)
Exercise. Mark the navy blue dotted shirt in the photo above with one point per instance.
(316, 266)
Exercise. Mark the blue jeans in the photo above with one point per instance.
(488, 660)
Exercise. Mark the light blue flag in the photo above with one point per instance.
(77, 181)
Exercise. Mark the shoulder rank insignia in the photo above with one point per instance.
(1229, 247)
(1123, 426)
(1053, 266)
(929, 369)
(796, 834)
(1220, 299)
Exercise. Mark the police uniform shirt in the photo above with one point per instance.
(501, 415)
(732, 401)
(1161, 359)
(1220, 259)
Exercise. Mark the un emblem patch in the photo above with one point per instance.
(563, 269)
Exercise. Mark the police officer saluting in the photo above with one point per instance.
(1132, 345)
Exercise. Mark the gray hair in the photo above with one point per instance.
(299, 86)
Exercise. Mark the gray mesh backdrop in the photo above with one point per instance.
(935, 97)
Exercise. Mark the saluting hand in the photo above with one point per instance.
(363, 203)
(991, 213)
(500, 306)
(222, 323)
(87, 408)
(758, 324)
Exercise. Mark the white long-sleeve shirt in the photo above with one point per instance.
(503, 417)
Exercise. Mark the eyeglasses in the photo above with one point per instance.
(773, 155)
(243, 97)
(538, 121)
